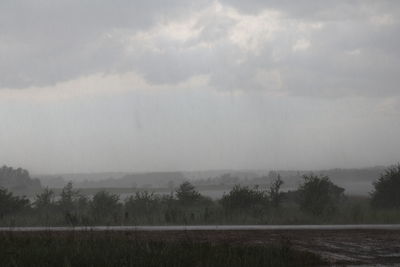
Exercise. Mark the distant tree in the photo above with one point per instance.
(45, 199)
(68, 198)
(17, 180)
(244, 199)
(274, 192)
(386, 192)
(105, 206)
(318, 195)
(44, 203)
(10, 204)
(69, 203)
(187, 194)
(83, 209)
(142, 204)
(171, 208)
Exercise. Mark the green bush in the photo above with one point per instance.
(386, 192)
(187, 195)
(10, 204)
(319, 196)
(245, 200)
(105, 208)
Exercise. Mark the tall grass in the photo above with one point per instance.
(123, 249)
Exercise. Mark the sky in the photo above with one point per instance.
(93, 86)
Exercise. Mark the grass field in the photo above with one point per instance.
(128, 249)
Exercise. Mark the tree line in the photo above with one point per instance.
(316, 200)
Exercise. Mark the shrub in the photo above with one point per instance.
(187, 195)
(274, 192)
(386, 192)
(10, 204)
(142, 204)
(245, 200)
(318, 195)
(45, 205)
(105, 207)
(44, 200)
(72, 204)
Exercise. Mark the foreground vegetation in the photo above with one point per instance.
(316, 201)
(124, 249)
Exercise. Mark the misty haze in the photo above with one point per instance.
(272, 125)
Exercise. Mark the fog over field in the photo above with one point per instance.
(154, 86)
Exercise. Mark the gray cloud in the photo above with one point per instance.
(315, 10)
(318, 49)
(45, 42)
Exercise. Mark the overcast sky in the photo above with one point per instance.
(192, 85)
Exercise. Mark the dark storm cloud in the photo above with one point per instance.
(311, 48)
